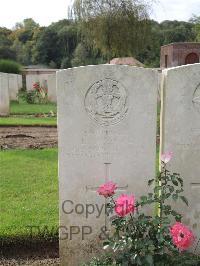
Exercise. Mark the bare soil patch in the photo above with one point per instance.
(28, 137)
(32, 262)
(29, 252)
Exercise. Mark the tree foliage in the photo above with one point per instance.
(195, 20)
(6, 51)
(94, 34)
(117, 28)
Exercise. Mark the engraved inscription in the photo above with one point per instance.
(106, 102)
(196, 98)
(101, 144)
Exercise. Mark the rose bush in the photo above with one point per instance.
(140, 239)
(38, 94)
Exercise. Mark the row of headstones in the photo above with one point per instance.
(10, 84)
(46, 80)
(107, 131)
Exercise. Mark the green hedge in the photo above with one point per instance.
(9, 66)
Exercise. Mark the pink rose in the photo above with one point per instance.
(124, 205)
(182, 236)
(166, 157)
(107, 189)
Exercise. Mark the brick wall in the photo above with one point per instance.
(175, 54)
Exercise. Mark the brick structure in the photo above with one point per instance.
(177, 54)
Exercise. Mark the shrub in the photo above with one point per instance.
(148, 240)
(9, 66)
(38, 94)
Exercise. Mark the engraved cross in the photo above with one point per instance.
(107, 179)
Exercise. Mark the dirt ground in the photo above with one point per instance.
(34, 252)
(28, 137)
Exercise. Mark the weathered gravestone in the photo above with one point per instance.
(13, 86)
(31, 79)
(4, 95)
(20, 84)
(180, 133)
(107, 131)
(51, 82)
(43, 80)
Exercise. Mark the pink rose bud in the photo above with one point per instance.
(107, 189)
(166, 157)
(125, 204)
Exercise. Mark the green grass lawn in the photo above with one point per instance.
(25, 108)
(29, 191)
(24, 114)
(28, 121)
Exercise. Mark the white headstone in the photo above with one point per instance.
(30, 80)
(180, 133)
(19, 79)
(51, 81)
(13, 86)
(37, 75)
(4, 95)
(107, 131)
(43, 79)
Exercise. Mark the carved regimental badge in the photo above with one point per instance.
(106, 102)
(196, 98)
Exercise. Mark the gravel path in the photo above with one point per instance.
(33, 262)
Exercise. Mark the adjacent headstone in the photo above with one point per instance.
(51, 82)
(107, 131)
(159, 85)
(43, 80)
(20, 84)
(37, 75)
(4, 95)
(31, 79)
(13, 86)
(180, 133)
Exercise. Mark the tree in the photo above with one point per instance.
(176, 31)
(6, 51)
(151, 55)
(116, 27)
(56, 43)
(23, 38)
(47, 48)
(84, 55)
(163, 33)
(195, 20)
